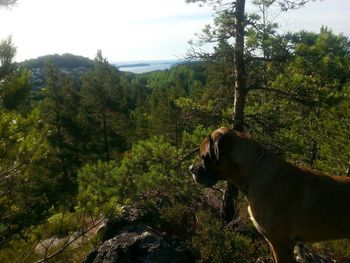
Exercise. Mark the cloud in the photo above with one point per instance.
(133, 29)
(122, 29)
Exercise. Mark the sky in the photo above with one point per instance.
(134, 30)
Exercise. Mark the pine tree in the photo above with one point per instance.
(234, 27)
(101, 103)
(14, 82)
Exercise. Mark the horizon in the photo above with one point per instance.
(111, 62)
(135, 31)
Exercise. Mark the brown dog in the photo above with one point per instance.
(286, 203)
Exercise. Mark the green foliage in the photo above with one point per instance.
(67, 60)
(102, 113)
(148, 175)
(25, 192)
(60, 224)
(319, 69)
(7, 53)
(98, 188)
(48, 238)
(338, 249)
(295, 113)
(16, 250)
(15, 90)
(14, 82)
(59, 110)
(160, 113)
(213, 243)
(316, 81)
(89, 144)
(177, 218)
(191, 140)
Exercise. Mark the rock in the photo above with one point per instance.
(139, 244)
(129, 215)
(265, 259)
(304, 255)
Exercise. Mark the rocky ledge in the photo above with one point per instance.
(129, 239)
(140, 244)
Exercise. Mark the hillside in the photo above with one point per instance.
(67, 63)
(67, 60)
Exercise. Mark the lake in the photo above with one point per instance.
(146, 65)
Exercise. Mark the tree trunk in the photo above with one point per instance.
(229, 204)
(239, 68)
(229, 209)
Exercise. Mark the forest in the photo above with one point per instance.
(83, 140)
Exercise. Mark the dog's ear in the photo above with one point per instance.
(208, 150)
(213, 149)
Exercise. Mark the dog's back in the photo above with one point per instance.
(324, 206)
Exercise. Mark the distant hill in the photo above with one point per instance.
(67, 61)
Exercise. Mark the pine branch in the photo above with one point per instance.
(285, 94)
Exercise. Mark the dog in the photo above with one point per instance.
(287, 204)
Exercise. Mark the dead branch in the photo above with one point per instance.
(68, 242)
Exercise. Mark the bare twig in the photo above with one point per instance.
(68, 242)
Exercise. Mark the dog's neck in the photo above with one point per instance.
(248, 167)
(253, 170)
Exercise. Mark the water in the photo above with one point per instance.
(145, 66)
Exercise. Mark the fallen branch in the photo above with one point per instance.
(68, 242)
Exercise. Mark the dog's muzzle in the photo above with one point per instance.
(202, 175)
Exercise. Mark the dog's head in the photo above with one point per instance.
(214, 154)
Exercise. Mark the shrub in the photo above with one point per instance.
(213, 243)
(150, 174)
(98, 188)
(338, 249)
(178, 219)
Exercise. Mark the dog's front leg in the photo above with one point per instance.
(283, 252)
